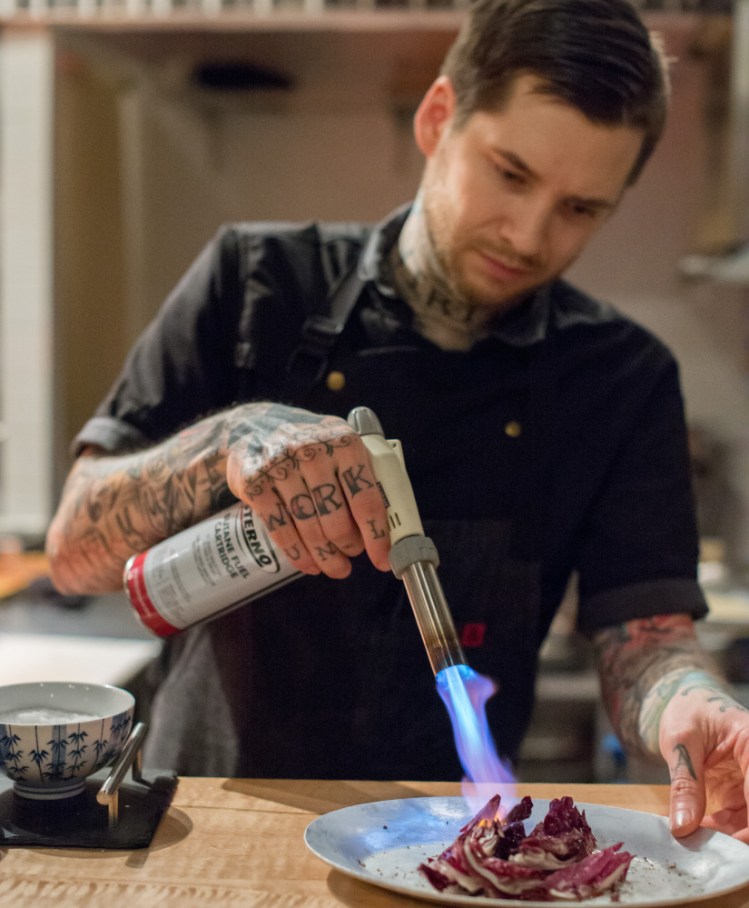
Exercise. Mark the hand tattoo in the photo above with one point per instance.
(297, 449)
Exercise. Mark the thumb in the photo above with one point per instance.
(687, 799)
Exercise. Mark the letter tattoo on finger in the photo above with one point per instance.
(326, 551)
(302, 507)
(277, 519)
(355, 482)
(294, 553)
(376, 532)
(325, 500)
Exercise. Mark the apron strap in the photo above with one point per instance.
(320, 332)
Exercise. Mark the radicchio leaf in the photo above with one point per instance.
(562, 837)
(492, 856)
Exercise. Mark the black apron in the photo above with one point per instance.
(329, 679)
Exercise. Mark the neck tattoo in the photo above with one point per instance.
(441, 314)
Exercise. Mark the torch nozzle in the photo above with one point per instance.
(414, 560)
(433, 616)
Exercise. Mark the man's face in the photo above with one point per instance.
(512, 197)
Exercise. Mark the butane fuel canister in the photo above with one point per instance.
(212, 567)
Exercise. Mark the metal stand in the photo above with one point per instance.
(131, 756)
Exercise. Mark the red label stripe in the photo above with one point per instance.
(135, 583)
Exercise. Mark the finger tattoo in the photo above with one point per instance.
(683, 759)
(376, 532)
(293, 553)
(355, 482)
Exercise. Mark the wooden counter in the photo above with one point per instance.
(240, 842)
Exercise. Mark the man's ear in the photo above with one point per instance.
(434, 114)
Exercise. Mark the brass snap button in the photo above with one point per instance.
(336, 381)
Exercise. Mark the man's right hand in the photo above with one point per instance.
(310, 480)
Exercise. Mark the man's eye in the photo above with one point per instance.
(510, 176)
(580, 210)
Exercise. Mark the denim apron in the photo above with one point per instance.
(329, 679)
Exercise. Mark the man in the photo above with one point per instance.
(543, 432)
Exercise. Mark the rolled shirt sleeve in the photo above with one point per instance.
(639, 547)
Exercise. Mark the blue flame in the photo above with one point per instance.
(465, 693)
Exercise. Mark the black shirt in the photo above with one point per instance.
(555, 445)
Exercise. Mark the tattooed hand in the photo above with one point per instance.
(309, 479)
(704, 738)
(664, 699)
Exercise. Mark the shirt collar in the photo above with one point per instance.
(522, 326)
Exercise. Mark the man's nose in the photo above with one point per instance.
(527, 226)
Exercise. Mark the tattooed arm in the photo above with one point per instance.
(307, 476)
(666, 698)
(640, 661)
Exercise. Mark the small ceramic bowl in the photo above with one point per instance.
(54, 734)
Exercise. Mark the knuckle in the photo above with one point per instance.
(681, 783)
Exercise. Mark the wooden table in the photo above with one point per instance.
(239, 842)
(19, 569)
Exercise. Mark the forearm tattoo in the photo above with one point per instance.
(115, 505)
(642, 665)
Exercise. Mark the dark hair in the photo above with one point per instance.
(596, 55)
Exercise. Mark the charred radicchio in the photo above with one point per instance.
(558, 859)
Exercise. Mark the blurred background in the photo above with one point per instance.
(131, 129)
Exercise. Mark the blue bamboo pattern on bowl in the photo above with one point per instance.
(66, 755)
(11, 755)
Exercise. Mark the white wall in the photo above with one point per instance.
(25, 280)
(634, 264)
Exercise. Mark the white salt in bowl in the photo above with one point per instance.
(54, 734)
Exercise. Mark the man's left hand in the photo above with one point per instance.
(704, 739)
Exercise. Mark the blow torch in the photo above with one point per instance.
(413, 556)
(414, 560)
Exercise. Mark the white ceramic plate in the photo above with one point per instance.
(383, 843)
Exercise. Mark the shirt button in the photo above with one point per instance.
(513, 429)
(336, 381)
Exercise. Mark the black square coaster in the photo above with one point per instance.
(81, 822)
